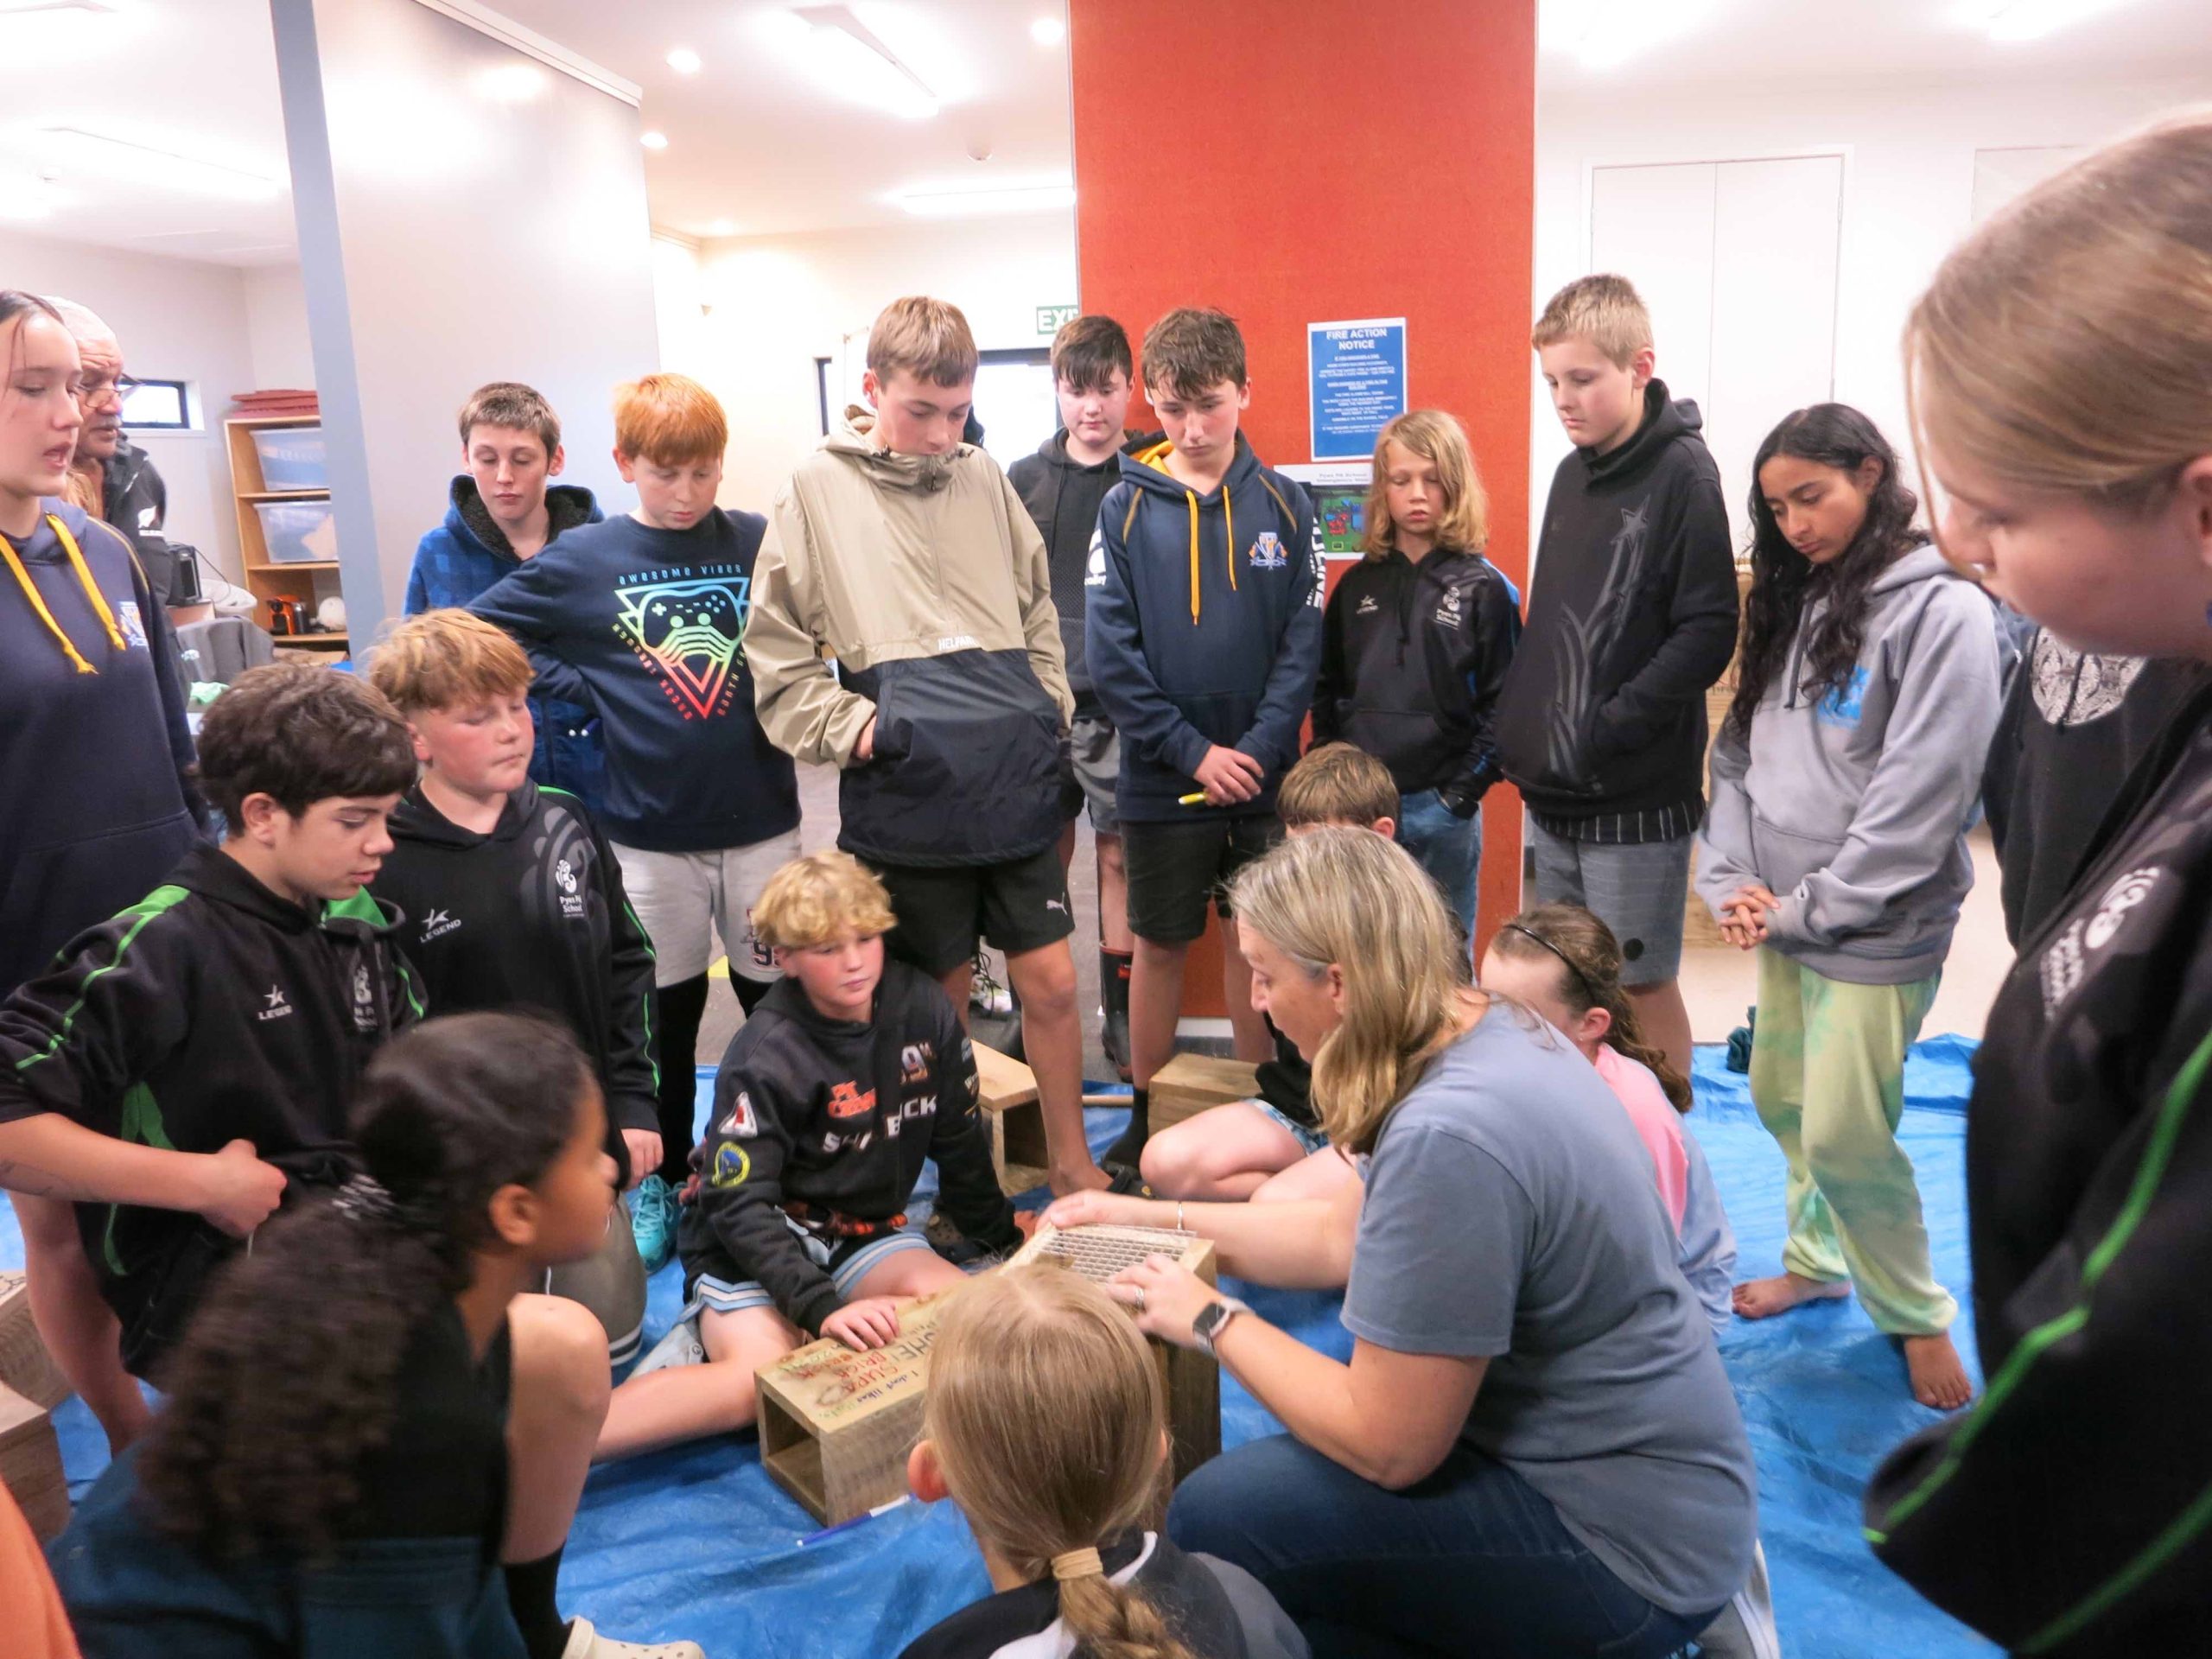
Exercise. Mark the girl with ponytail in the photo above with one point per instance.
(1046, 1426)
(367, 1418)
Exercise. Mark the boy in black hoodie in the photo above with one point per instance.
(1204, 652)
(514, 900)
(1062, 485)
(851, 1072)
(1631, 616)
(178, 1067)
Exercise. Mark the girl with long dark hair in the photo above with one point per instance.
(373, 1442)
(1844, 780)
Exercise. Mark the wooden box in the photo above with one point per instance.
(1191, 1083)
(25, 1366)
(836, 1423)
(1191, 1380)
(1007, 1090)
(30, 1465)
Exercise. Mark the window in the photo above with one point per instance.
(156, 406)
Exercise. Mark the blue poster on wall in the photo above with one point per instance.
(1357, 374)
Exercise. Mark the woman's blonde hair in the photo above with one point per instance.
(1046, 1415)
(2065, 346)
(1352, 898)
(1439, 439)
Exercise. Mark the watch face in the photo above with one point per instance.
(1209, 1318)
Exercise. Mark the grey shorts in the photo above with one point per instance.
(611, 1282)
(1097, 754)
(1636, 889)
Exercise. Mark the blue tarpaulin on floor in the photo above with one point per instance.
(699, 1543)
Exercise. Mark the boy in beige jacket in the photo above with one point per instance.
(905, 554)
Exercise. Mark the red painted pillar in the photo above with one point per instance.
(1311, 161)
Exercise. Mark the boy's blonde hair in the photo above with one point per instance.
(670, 420)
(929, 339)
(1605, 309)
(1045, 1411)
(447, 659)
(2065, 346)
(1439, 439)
(820, 897)
(1336, 783)
(1349, 897)
(517, 408)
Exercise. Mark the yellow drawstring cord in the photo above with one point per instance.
(1192, 502)
(1229, 528)
(85, 578)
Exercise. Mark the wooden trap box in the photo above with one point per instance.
(30, 1465)
(1007, 1090)
(25, 1366)
(1191, 1083)
(1190, 1381)
(836, 1423)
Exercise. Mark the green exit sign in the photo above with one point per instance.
(1051, 319)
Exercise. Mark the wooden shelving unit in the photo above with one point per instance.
(309, 582)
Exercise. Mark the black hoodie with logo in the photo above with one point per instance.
(1632, 616)
(211, 1010)
(821, 1127)
(1063, 495)
(1412, 659)
(532, 917)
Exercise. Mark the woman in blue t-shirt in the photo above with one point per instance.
(1533, 1449)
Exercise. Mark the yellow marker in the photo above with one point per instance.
(1199, 799)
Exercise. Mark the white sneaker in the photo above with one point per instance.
(681, 1346)
(585, 1643)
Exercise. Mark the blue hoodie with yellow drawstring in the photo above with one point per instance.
(1203, 626)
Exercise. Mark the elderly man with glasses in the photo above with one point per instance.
(116, 481)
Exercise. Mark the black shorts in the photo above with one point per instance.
(1173, 867)
(941, 910)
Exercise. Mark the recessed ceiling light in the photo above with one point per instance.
(1048, 31)
(653, 140)
(723, 227)
(684, 60)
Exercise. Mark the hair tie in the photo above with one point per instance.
(364, 1197)
(1077, 1564)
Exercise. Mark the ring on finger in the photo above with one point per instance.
(1140, 1298)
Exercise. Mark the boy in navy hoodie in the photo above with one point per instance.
(178, 1067)
(502, 514)
(514, 899)
(1204, 643)
(643, 620)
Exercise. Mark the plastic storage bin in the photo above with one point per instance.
(298, 532)
(292, 458)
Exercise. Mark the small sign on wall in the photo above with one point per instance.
(1051, 319)
(1356, 380)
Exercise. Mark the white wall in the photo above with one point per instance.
(776, 303)
(178, 320)
(1908, 191)
(276, 328)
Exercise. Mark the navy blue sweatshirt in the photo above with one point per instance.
(1203, 626)
(646, 628)
(92, 764)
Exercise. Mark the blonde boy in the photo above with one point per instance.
(905, 554)
(851, 1072)
(1631, 616)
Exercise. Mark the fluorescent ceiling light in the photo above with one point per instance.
(1603, 34)
(684, 60)
(1033, 198)
(843, 57)
(135, 164)
(653, 140)
(1048, 31)
(2030, 20)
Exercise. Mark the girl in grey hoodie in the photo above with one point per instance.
(1844, 781)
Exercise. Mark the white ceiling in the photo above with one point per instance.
(758, 146)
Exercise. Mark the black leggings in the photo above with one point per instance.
(683, 1005)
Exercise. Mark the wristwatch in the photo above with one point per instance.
(1212, 1317)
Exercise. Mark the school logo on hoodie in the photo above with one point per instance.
(690, 635)
(1267, 554)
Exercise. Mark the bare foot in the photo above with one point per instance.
(1761, 1299)
(1939, 1377)
(1085, 1177)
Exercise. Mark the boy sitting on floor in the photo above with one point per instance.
(849, 1073)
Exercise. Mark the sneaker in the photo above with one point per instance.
(681, 1346)
(653, 1214)
(985, 994)
(585, 1643)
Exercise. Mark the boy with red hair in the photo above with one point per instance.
(642, 619)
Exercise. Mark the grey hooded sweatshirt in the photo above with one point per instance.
(1852, 806)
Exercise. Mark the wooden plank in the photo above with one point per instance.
(1191, 1083)
(1006, 1090)
(30, 1465)
(25, 1366)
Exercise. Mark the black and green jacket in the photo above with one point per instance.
(2069, 1511)
(211, 1010)
(532, 917)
